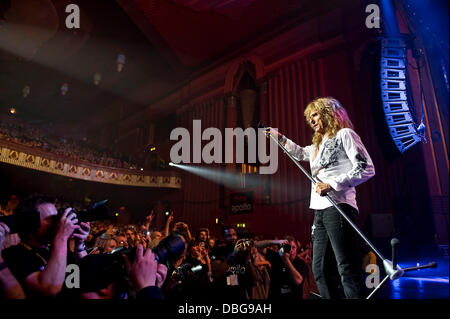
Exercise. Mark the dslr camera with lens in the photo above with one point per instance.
(28, 220)
(98, 211)
(186, 272)
(169, 248)
(285, 249)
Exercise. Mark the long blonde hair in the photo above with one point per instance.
(333, 115)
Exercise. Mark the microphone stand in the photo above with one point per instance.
(393, 271)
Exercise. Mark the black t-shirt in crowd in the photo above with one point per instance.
(23, 261)
(234, 281)
(194, 284)
(281, 285)
(222, 251)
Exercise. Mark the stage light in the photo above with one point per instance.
(64, 88)
(120, 62)
(97, 78)
(117, 214)
(171, 164)
(152, 149)
(26, 91)
(167, 213)
(390, 25)
(142, 169)
(12, 110)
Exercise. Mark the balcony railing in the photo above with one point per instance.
(21, 155)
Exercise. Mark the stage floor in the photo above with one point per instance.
(419, 284)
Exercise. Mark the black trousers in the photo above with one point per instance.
(332, 234)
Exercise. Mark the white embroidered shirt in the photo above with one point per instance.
(342, 162)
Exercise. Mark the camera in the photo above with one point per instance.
(187, 272)
(98, 211)
(285, 249)
(169, 248)
(29, 221)
(145, 232)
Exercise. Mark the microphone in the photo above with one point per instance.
(392, 269)
(394, 244)
(432, 264)
(271, 132)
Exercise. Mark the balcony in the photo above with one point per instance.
(32, 158)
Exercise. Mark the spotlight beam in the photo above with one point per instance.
(293, 192)
(390, 24)
(218, 175)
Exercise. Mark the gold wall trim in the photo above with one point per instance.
(19, 157)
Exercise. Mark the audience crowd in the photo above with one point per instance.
(35, 137)
(138, 261)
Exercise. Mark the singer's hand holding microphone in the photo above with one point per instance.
(271, 131)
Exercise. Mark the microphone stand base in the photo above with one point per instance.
(389, 269)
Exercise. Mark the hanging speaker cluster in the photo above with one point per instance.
(394, 94)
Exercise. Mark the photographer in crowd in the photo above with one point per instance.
(39, 261)
(113, 276)
(203, 235)
(225, 248)
(107, 243)
(118, 265)
(193, 276)
(287, 271)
